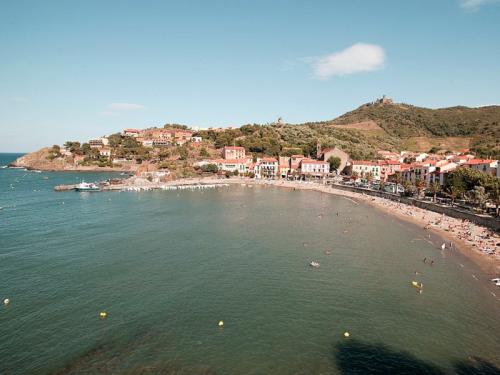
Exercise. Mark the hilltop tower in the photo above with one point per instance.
(318, 149)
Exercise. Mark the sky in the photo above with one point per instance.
(74, 70)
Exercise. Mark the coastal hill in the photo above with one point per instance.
(380, 125)
(419, 129)
(375, 126)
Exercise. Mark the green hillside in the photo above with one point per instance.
(400, 126)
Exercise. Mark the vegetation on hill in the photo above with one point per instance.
(405, 121)
(398, 122)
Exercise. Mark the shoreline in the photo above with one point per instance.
(465, 236)
(449, 229)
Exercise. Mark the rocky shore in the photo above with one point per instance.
(39, 160)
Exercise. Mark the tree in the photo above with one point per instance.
(435, 188)
(493, 189)
(369, 177)
(454, 192)
(479, 196)
(204, 153)
(212, 168)
(183, 153)
(420, 186)
(354, 175)
(334, 163)
(409, 188)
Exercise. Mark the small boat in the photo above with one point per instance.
(87, 186)
(416, 284)
(314, 264)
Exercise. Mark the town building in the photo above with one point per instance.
(162, 142)
(327, 153)
(232, 165)
(96, 143)
(105, 151)
(131, 132)
(266, 168)
(388, 168)
(487, 166)
(363, 168)
(314, 168)
(233, 152)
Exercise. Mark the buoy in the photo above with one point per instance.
(346, 334)
(221, 323)
(417, 284)
(103, 314)
(6, 301)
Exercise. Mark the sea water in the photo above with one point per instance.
(167, 266)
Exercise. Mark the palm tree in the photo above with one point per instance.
(354, 176)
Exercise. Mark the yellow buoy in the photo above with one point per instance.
(6, 301)
(221, 323)
(417, 284)
(346, 334)
(103, 314)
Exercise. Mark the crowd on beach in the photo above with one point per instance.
(474, 235)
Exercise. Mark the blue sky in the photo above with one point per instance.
(75, 70)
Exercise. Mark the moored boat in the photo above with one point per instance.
(87, 186)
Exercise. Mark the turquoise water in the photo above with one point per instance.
(167, 266)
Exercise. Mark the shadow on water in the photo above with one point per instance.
(121, 358)
(357, 358)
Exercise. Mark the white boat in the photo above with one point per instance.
(314, 264)
(496, 280)
(87, 186)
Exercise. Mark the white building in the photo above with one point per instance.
(317, 168)
(364, 167)
(487, 166)
(104, 151)
(267, 168)
(230, 152)
(131, 132)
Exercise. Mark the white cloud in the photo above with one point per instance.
(475, 4)
(125, 107)
(359, 57)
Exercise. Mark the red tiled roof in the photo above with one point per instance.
(269, 160)
(311, 161)
(233, 148)
(480, 161)
(363, 162)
